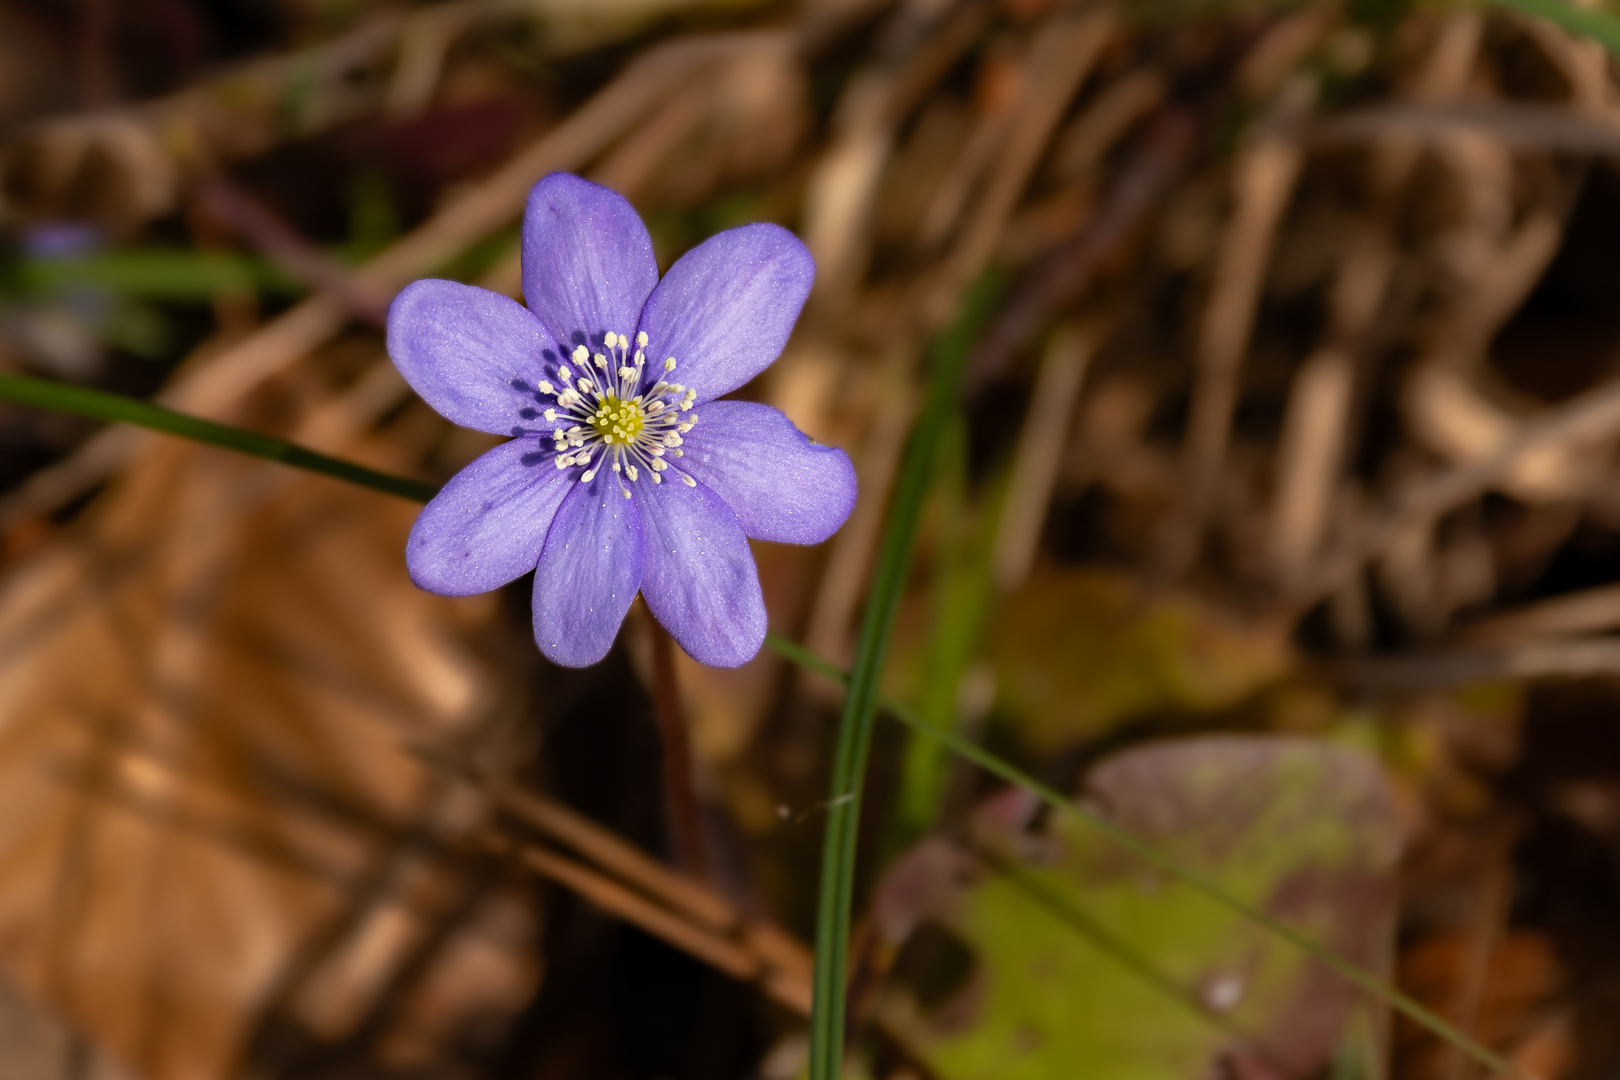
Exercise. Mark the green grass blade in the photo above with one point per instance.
(97, 405)
(1363, 980)
(835, 894)
(1591, 23)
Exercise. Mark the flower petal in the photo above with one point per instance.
(700, 580)
(726, 308)
(469, 352)
(487, 525)
(780, 484)
(587, 259)
(588, 574)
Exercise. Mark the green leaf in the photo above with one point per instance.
(1295, 827)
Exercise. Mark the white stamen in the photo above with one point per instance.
(546, 388)
(610, 423)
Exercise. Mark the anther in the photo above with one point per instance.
(641, 338)
(579, 354)
(669, 365)
(688, 481)
(546, 388)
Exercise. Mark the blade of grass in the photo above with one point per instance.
(1362, 980)
(1591, 23)
(97, 405)
(835, 895)
(116, 408)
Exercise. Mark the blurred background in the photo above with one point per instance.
(1278, 522)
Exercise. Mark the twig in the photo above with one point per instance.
(1060, 59)
(1583, 658)
(1062, 276)
(1592, 416)
(609, 895)
(1585, 612)
(602, 846)
(1263, 177)
(1035, 465)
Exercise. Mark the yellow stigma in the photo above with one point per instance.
(618, 421)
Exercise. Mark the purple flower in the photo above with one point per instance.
(623, 473)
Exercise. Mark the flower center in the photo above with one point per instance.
(619, 421)
(605, 415)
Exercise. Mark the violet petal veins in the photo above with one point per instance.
(623, 473)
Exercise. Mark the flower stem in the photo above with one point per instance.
(681, 803)
(837, 887)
